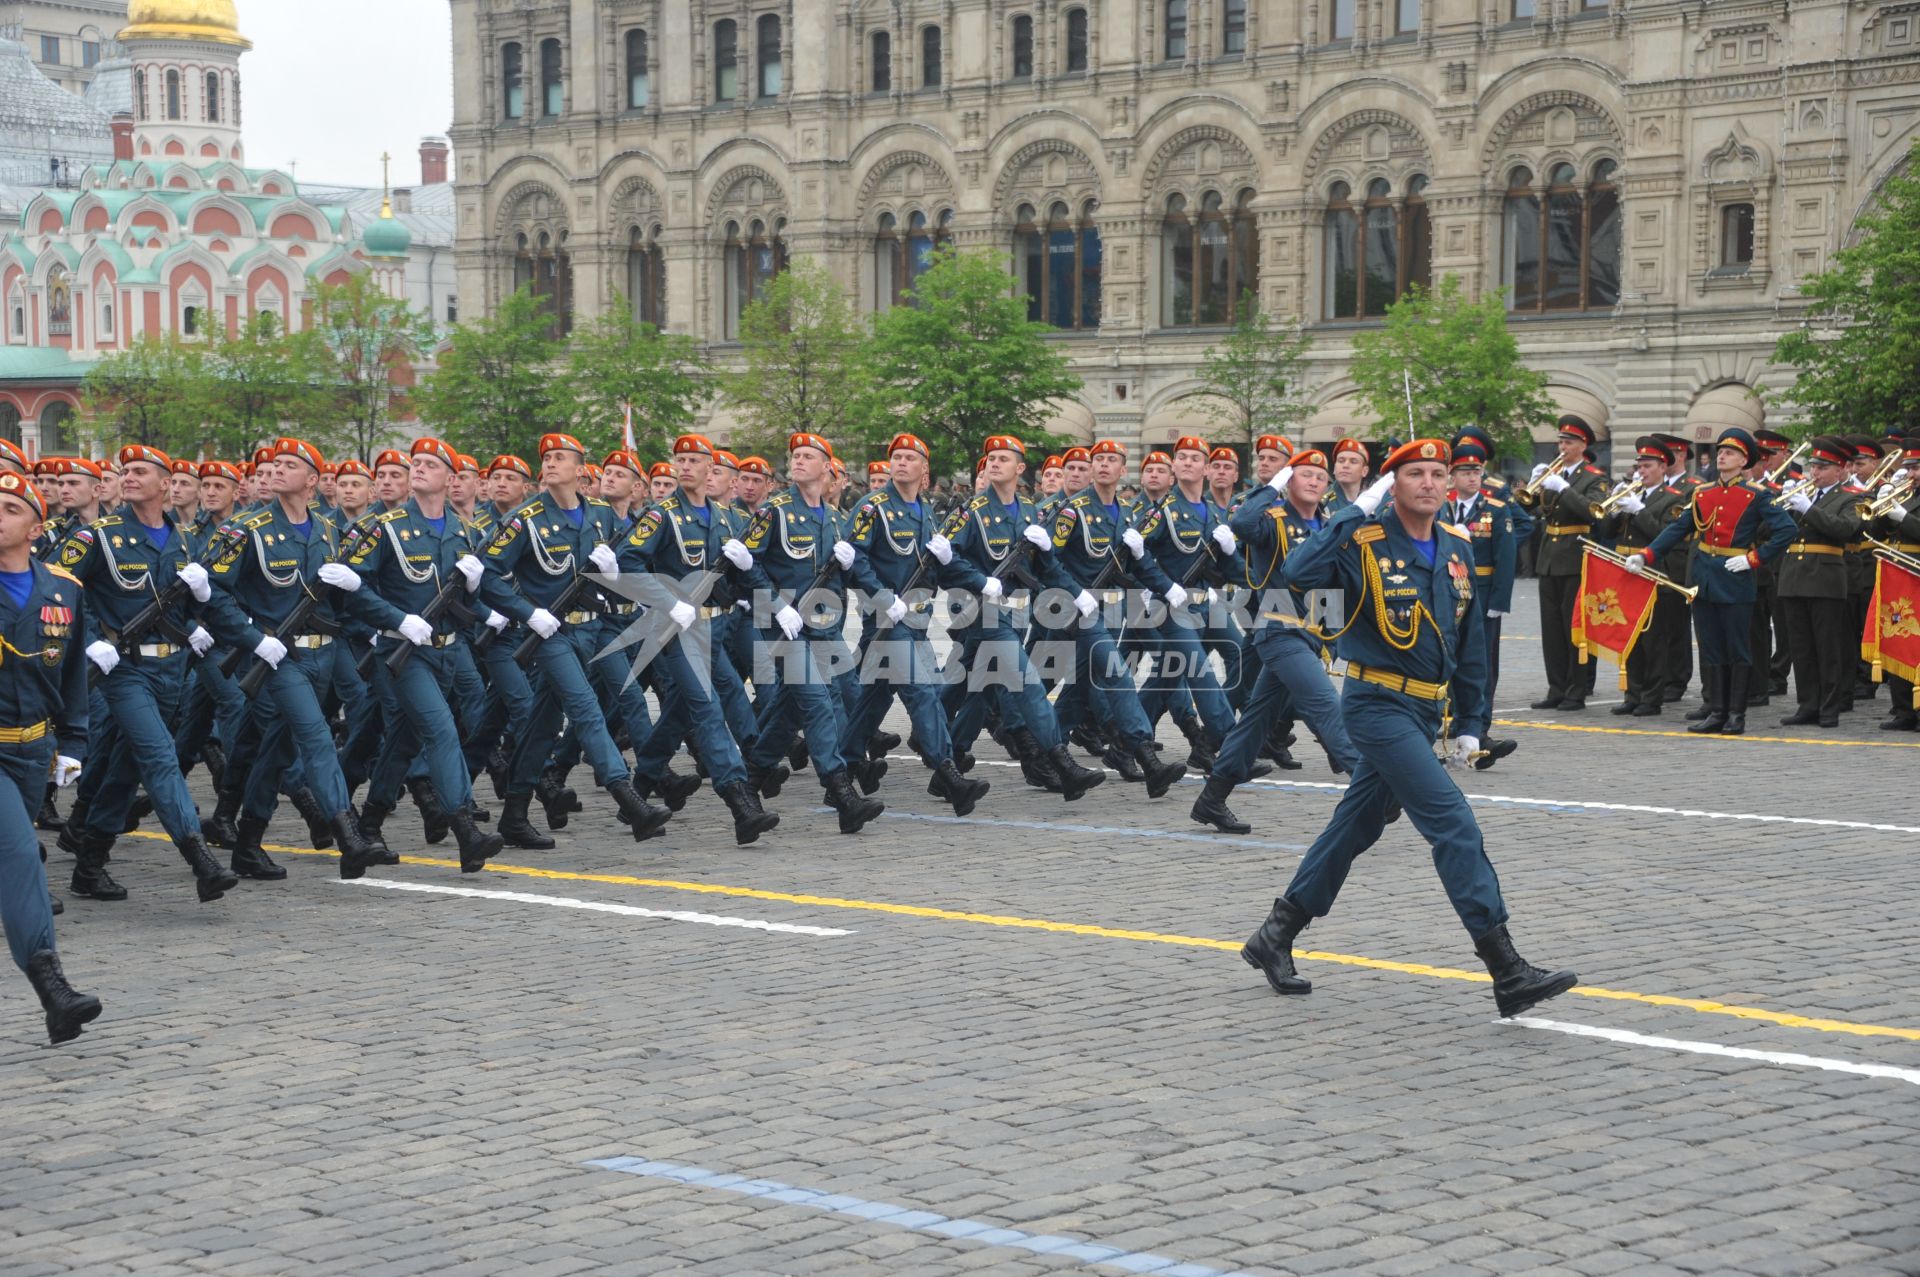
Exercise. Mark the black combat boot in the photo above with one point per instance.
(949, 784)
(1034, 765)
(750, 820)
(371, 819)
(69, 840)
(1706, 695)
(767, 781)
(1737, 677)
(1203, 750)
(1270, 949)
(357, 854)
(319, 827)
(1075, 780)
(1713, 695)
(497, 770)
(66, 1010)
(880, 744)
(645, 819)
(517, 829)
(476, 848)
(90, 876)
(48, 816)
(433, 817)
(209, 879)
(249, 861)
(797, 756)
(675, 788)
(1517, 983)
(855, 810)
(1160, 776)
(1122, 762)
(556, 799)
(215, 756)
(220, 831)
(868, 771)
(1210, 808)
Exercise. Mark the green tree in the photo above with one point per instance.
(153, 392)
(1857, 350)
(802, 363)
(616, 360)
(257, 387)
(494, 390)
(961, 361)
(357, 346)
(1255, 378)
(1458, 363)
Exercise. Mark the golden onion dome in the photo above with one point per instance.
(213, 20)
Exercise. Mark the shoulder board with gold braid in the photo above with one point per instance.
(1368, 533)
(1497, 503)
(388, 516)
(59, 571)
(978, 503)
(1458, 531)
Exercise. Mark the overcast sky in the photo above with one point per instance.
(333, 85)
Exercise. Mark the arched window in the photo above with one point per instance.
(1208, 259)
(10, 423)
(882, 59)
(647, 277)
(767, 54)
(1076, 40)
(513, 81)
(1374, 251)
(190, 322)
(140, 93)
(930, 57)
(1176, 30)
(726, 60)
(755, 256)
(552, 91)
(1562, 243)
(173, 95)
(105, 325)
(638, 82)
(1059, 265)
(213, 97)
(19, 321)
(544, 265)
(1233, 26)
(901, 255)
(1023, 48)
(53, 429)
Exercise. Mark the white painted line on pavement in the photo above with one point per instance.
(601, 906)
(1788, 1058)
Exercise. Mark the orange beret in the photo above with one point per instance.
(468, 463)
(187, 468)
(1272, 443)
(660, 470)
(558, 442)
(1224, 454)
(693, 443)
(725, 460)
(625, 460)
(10, 451)
(141, 452)
(263, 454)
(74, 465)
(231, 473)
(1107, 447)
(1072, 455)
(438, 449)
(1349, 445)
(391, 457)
(1156, 459)
(877, 467)
(806, 440)
(353, 465)
(909, 443)
(1310, 457)
(20, 486)
(1005, 443)
(1417, 450)
(507, 461)
(756, 465)
(1052, 463)
(301, 449)
(1191, 443)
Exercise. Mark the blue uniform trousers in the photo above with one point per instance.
(1186, 667)
(365, 722)
(733, 659)
(214, 707)
(1236, 680)
(300, 736)
(1291, 677)
(688, 706)
(623, 702)
(415, 705)
(509, 698)
(1097, 669)
(901, 664)
(1723, 629)
(101, 734)
(561, 662)
(996, 665)
(142, 695)
(1394, 735)
(804, 698)
(24, 907)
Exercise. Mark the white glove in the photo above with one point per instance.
(1224, 538)
(1085, 603)
(469, 567)
(104, 655)
(1800, 502)
(683, 613)
(199, 640)
(940, 548)
(1464, 748)
(1631, 505)
(1554, 483)
(196, 578)
(271, 650)
(1492, 613)
(1038, 536)
(1739, 565)
(896, 609)
(65, 770)
(737, 554)
(1901, 514)
(1280, 481)
(991, 588)
(787, 619)
(1135, 543)
(1635, 564)
(1537, 472)
(1176, 594)
(543, 623)
(1376, 492)
(604, 558)
(843, 554)
(496, 621)
(415, 630)
(340, 576)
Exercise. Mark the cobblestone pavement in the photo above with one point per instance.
(1020, 1043)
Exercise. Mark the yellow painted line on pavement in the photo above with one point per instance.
(1703, 1006)
(1684, 735)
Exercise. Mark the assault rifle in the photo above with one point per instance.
(155, 615)
(301, 618)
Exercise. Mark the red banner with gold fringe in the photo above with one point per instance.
(1614, 609)
(1891, 640)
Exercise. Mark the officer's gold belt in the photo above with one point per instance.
(713, 613)
(311, 640)
(622, 609)
(21, 735)
(1480, 569)
(1398, 682)
(157, 650)
(1113, 596)
(578, 618)
(1808, 547)
(1568, 529)
(1723, 551)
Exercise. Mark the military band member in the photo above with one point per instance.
(1901, 530)
(1635, 521)
(1868, 455)
(1414, 636)
(1771, 655)
(1813, 580)
(1677, 662)
(1562, 497)
(1735, 527)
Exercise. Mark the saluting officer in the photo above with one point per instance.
(1413, 636)
(1564, 501)
(1814, 587)
(1635, 521)
(43, 706)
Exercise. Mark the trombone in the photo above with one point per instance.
(1894, 555)
(1632, 488)
(1530, 491)
(1658, 578)
(1773, 475)
(1887, 502)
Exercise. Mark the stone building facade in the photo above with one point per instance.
(1650, 178)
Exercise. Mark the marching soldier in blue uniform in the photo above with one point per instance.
(1409, 581)
(1488, 519)
(128, 561)
(1735, 526)
(532, 565)
(43, 727)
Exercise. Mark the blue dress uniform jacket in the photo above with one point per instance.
(258, 583)
(123, 571)
(792, 542)
(1087, 533)
(43, 667)
(1269, 530)
(1726, 520)
(1183, 535)
(989, 533)
(403, 560)
(1489, 521)
(542, 550)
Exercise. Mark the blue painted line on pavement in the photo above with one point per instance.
(1093, 1253)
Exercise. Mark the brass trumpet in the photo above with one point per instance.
(1658, 578)
(1773, 475)
(1887, 502)
(1632, 488)
(1793, 490)
(1530, 492)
